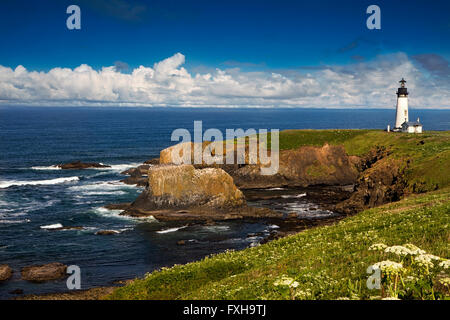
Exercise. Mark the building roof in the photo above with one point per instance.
(412, 124)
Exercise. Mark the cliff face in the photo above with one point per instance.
(382, 182)
(183, 186)
(305, 166)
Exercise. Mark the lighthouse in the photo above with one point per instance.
(401, 115)
(402, 124)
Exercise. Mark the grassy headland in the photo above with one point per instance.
(428, 154)
(330, 262)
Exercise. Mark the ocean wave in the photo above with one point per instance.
(216, 228)
(301, 195)
(102, 186)
(7, 221)
(171, 229)
(54, 167)
(7, 184)
(52, 226)
(122, 167)
(110, 213)
(100, 192)
(112, 167)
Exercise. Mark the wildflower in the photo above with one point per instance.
(445, 264)
(389, 266)
(303, 294)
(377, 247)
(286, 281)
(398, 250)
(414, 250)
(425, 260)
(445, 282)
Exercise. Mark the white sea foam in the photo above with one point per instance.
(6, 221)
(100, 192)
(7, 184)
(52, 226)
(102, 186)
(301, 195)
(123, 167)
(216, 228)
(113, 167)
(109, 213)
(171, 229)
(275, 189)
(46, 168)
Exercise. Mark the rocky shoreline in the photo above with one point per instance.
(202, 194)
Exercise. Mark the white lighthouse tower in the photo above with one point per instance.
(401, 115)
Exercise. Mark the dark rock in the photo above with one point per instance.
(81, 165)
(46, 272)
(118, 206)
(5, 272)
(153, 161)
(106, 232)
(16, 291)
(138, 181)
(381, 183)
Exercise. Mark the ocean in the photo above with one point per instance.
(34, 195)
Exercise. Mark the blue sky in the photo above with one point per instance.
(241, 38)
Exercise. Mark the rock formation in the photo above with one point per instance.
(5, 272)
(183, 186)
(46, 272)
(302, 167)
(77, 165)
(181, 192)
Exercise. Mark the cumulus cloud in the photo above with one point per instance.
(369, 84)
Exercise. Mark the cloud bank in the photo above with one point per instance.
(369, 84)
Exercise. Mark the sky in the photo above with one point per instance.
(246, 53)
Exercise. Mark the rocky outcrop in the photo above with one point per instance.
(302, 167)
(45, 272)
(137, 176)
(107, 232)
(183, 186)
(5, 272)
(381, 183)
(77, 165)
(181, 192)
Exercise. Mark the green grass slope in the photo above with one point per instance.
(428, 153)
(328, 262)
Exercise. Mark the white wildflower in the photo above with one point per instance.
(445, 264)
(398, 250)
(389, 267)
(377, 247)
(425, 260)
(445, 282)
(287, 282)
(414, 250)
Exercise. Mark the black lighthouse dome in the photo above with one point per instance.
(402, 91)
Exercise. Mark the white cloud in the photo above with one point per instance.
(369, 84)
